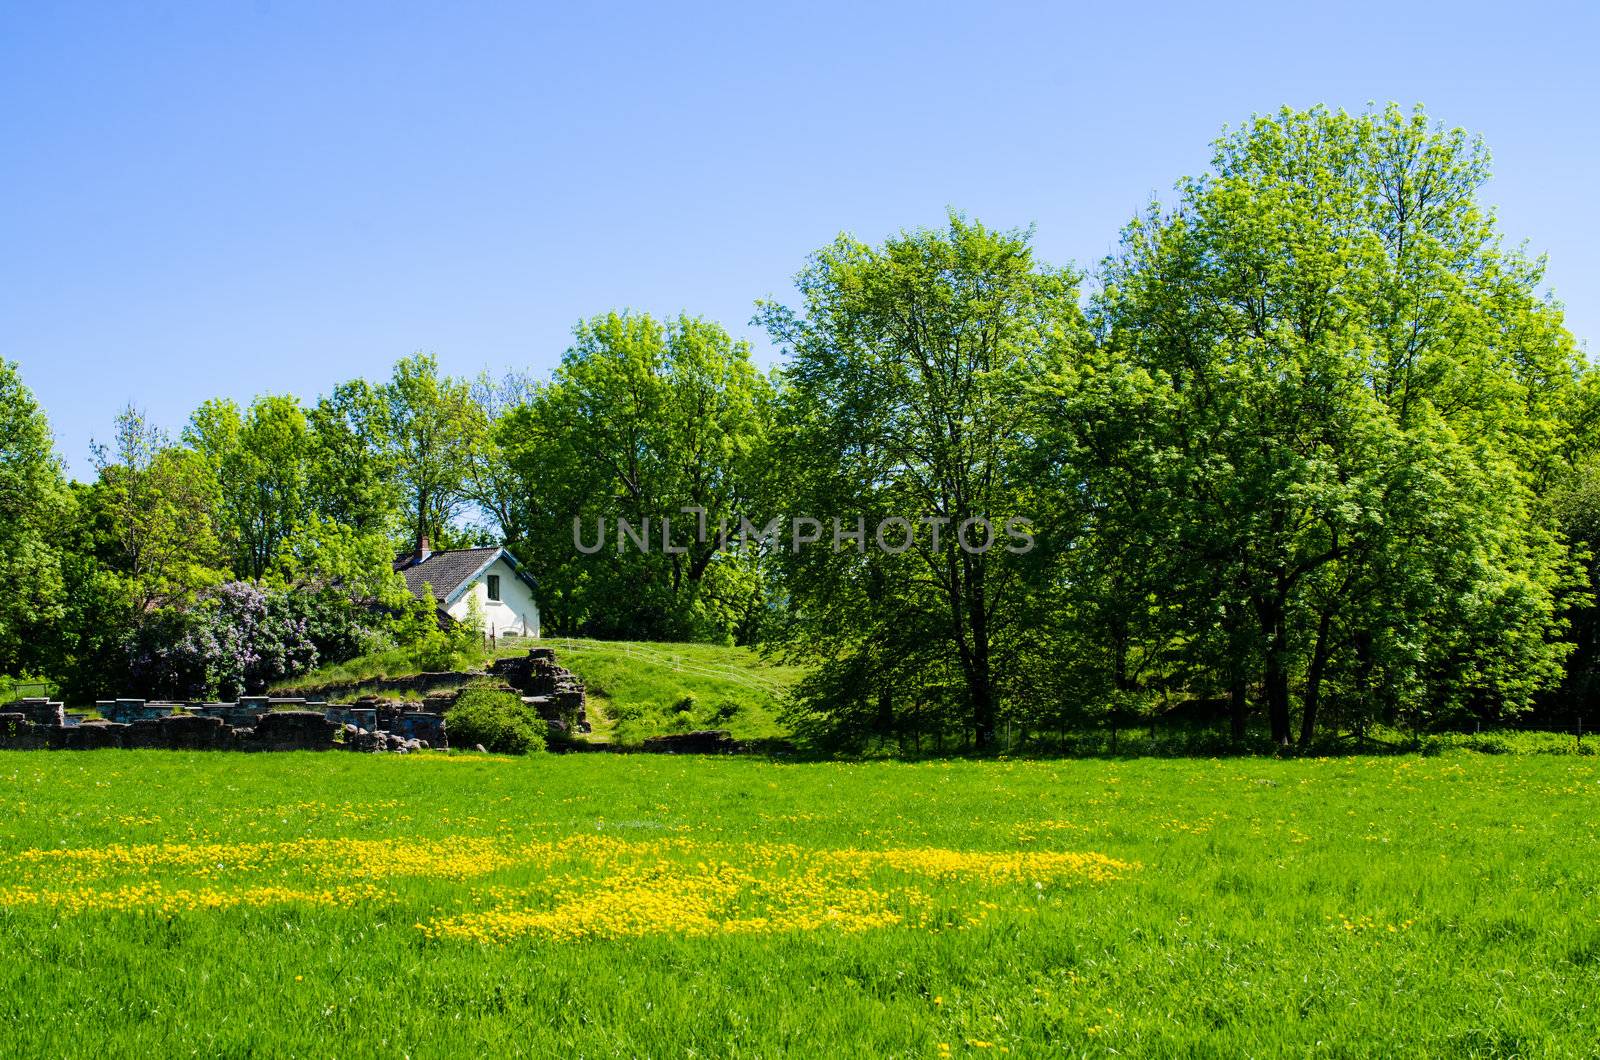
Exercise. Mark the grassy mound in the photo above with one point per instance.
(639, 689)
(636, 688)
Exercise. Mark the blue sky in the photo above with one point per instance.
(231, 199)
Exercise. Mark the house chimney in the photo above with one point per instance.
(424, 547)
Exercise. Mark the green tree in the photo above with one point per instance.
(493, 484)
(34, 505)
(321, 554)
(1335, 351)
(351, 478)
(261, 463)
(434, 430)
(153, 507)
(648, 422)
(907, 398)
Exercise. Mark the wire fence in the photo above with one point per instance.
(14, 690)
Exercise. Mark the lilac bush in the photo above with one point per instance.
(238, 642)
(241, 638)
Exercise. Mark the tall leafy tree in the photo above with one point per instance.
(351, 477)
(909, 366)
(1337, 350)
(33, 505)
(261, 463)
(153, 506)
(492, 482)
(433, 432)
(645, 420)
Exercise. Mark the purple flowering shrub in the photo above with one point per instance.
(241, 638)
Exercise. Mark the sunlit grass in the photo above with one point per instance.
(158, 903)
(644, 688)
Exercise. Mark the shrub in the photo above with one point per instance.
(625, 710)
(498, 720)
(1508, 742)
(439, 645)
(240, 637)
(234, 641)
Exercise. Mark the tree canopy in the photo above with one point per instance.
(1311, 446)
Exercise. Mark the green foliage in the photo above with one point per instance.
(1574, 504)
(1323, 401)
(433, 430)
(153, 508)
(323, 554)
(261, 464)
(1320, 449)
(905, 399)
(645, 420)
(351, 479)
(34, 508)
(433, 641)
(497, 720)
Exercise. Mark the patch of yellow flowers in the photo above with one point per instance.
(154, 897)
(698, 900)
(341, 859)
(578, 887)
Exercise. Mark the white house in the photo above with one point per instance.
(492, 576)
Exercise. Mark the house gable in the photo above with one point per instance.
(459, 576)
(516, 611)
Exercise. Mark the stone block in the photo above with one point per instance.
(40, 710)
(293, 730)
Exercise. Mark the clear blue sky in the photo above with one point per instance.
(229, 198)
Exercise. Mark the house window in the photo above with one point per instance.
(494, 586)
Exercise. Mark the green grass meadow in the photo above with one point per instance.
(171, 904)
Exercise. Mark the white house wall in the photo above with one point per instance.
(516, 611)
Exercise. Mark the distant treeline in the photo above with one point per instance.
(1312, 449)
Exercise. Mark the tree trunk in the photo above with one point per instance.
(1275, 668)
(1319, 663)
(1277, 682)
(1238, 708)
(975, 661)
(1363, 646)
(983, 710)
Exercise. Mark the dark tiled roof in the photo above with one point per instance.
(445, 571)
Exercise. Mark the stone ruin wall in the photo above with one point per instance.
(261, 723)
(555, 693)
